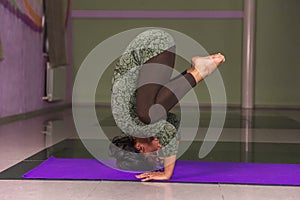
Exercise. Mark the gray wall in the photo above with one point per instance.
(276, 65)
(277, 53)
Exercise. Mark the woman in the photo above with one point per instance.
(142, 96)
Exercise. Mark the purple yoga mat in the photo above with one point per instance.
(185, 171)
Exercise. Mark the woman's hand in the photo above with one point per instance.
(148, 176)
(169, 164)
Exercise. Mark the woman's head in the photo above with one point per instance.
(147, 145)
(136, 154)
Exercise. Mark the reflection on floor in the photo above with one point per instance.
(262, 136)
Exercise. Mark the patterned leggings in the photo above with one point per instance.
(141, 80)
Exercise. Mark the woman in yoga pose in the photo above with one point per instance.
(143, 93)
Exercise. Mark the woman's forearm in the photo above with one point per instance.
(169, 165)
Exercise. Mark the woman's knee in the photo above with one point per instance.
(143, 116)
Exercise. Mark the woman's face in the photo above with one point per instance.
(147, 146)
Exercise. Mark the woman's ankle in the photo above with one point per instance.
(195, 73)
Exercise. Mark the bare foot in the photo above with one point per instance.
(207, 65)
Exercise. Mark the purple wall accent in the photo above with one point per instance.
(22, 72)
(20, 15)
(155, 14)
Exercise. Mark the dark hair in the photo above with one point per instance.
(128, 158)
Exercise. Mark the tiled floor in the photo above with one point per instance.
(273, 138)
(90, 190)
